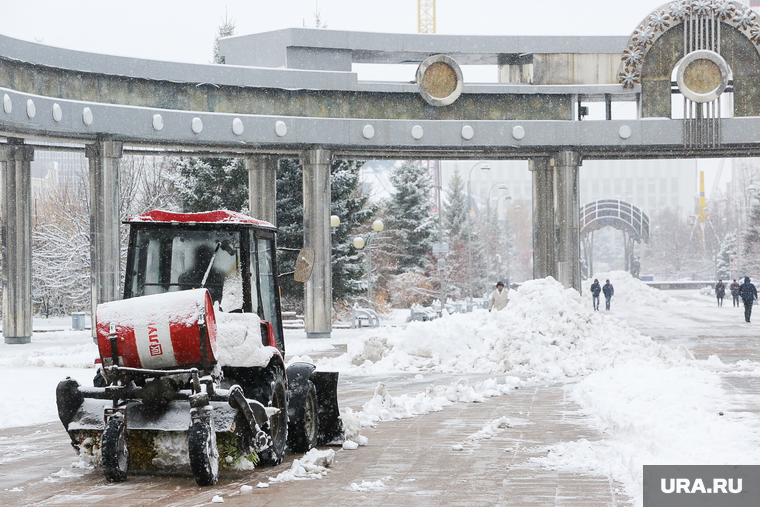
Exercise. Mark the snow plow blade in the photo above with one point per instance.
(85, 413)
(330, 422)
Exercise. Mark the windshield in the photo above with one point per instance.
(167, 259)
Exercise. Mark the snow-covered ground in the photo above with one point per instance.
(654, 403)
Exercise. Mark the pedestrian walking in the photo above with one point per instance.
(499, 298)
(734, 287)
(609, 291)
(596, 289)
(748, 293)
(720, 291)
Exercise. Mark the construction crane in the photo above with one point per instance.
(426, 16)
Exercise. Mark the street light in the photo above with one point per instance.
(506, 238)
(485, 167)
(502, 186)
(360, 243)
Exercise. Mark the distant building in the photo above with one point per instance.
(652, 185)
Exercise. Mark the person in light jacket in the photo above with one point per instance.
(499, 298)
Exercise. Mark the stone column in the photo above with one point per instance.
(16, 160)
(262, 186)
(567, 219)
(316, 235)
(543, 217)
(105, 204)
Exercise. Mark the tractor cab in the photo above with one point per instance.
(230, 254)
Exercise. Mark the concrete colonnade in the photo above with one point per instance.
(556, 220)
(16, 158)
(556, 234)
(105, 239)
(316, 164)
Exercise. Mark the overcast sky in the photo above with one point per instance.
(183, 30)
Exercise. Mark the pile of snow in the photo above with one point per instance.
(313, 465)
(369, 486)
(629, 291)
(653, 413)
(546, 331)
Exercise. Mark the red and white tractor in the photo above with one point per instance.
(192, 359)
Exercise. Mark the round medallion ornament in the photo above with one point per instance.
(702, 75)
(440, 81)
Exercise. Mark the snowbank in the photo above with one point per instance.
(546, 331)
(652, 413)
(629, 291)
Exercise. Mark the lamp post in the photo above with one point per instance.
(485, 167)
(501, 186)
(359, 244)
(506, 230)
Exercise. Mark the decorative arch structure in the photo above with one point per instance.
(294, 94)
(619, 215)
(712, 47)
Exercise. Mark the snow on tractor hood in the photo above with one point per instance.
(218, 216)
(238, 338)
(161, 331)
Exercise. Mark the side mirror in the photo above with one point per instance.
(304, 265)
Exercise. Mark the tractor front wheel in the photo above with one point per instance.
(277, 427)
(204, 455)
(115, 450)
(304, 427)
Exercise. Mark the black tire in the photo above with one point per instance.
(204, 455)
(277, 427)
(303, 428)
(114, 450)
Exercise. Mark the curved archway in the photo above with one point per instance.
(684, 37)
(619, 215)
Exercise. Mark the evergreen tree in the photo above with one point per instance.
(289, 227)
(227, 29)
(354, 209)
(455, 210)
(748, 255)
(726, 254)
(410, 218)
(347, 202)
(205, 184)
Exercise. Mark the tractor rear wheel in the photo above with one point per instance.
(204, 455)
(303, 428)
(115, 450)
(277, 427)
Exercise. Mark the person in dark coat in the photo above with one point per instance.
(748, 293)
(596, 289)
(720, 291)
(609, 291)
(734, 287)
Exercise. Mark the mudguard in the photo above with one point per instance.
(326, 383)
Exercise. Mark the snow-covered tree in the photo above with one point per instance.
(455, 210)
(347, 202)
(205, 184)
(61, 245)
(354, 209)
(748, 250)
(725, 257)
(226, 29)
(410, 221)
